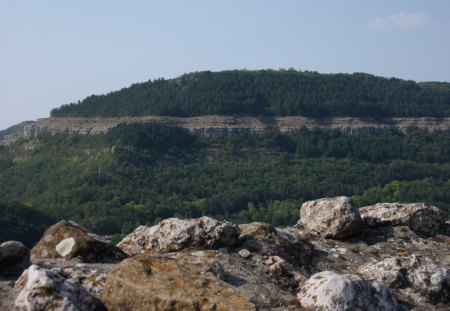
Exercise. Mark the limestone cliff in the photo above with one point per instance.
(215, 124)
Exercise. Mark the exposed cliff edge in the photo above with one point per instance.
(215, 124)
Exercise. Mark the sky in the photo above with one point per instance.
(61, 51)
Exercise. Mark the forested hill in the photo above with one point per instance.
(270, 93)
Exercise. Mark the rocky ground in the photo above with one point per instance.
(383, 257)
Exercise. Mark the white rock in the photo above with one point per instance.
(331, 291)
(432, 282)
(421, 218)
(336, 218)
(43, 289)
(175, 234)
(65, 246)
(390, 271)
(244, 253)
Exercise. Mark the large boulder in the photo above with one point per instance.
(422, 218)
(331, 291)
(336, 218)
(170, 282)
(175, 234)
(44, 289)
(14, 258)
(68, 240)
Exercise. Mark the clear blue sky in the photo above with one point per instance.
(56, 52)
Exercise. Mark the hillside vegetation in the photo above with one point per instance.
(270, 93)
(141, 173)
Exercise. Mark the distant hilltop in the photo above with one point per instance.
(274, 93)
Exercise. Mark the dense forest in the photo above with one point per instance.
(142, 173)
(270, 93)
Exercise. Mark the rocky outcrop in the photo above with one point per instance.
(215, 124)
(14, 258)
(387, 266)
(44, 289)
(334, 292)
(173, 283)
(68, 240)
(421, 218)
(336, 218)
(175, 234)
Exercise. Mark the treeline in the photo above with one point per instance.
(142, 173)
(269, 93)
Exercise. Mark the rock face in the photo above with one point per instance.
(175, 234)
(170, 283)
(43, 289)
(423, 219)
(214, 124)
(336, 218)
(68, 240)
(331, 291)
(14, 258)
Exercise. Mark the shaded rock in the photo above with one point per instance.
(43, 289)
(432, 282)
(262, 238)
(336, 218)
(170, 282)
(14, 258)
(175, 234)
(422, 218)
(331, 291)
(68, 240)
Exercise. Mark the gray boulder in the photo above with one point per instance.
(14, 258)
(431, 282)
(175, 234)
(43, 289)
(422, 218)
(336, 218)
(331, 291)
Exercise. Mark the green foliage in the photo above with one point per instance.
(22, 223)
(268, 93)
(140, 174)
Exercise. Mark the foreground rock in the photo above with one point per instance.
(336, 218)
(14, 258)
(265, 268)
(173, 283)
(68, 240)
(422, 218)
(331, 291)
(422, 281)
(43, 289)
(175, 234)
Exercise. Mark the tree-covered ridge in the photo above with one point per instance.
(141, 173)
(270, 92)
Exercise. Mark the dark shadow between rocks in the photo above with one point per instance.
(234, 280)
(371, 236)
